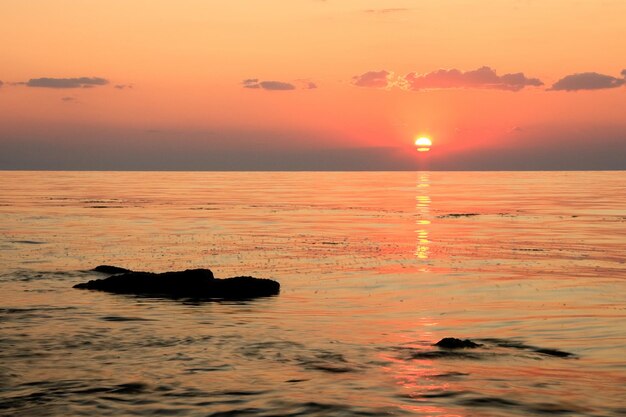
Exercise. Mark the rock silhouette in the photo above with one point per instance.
(191, 283)
(455, 348)
(108, 269)
(454, 343)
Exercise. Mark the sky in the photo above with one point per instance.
(312, 84)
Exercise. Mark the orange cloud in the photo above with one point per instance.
(373, 79)
(255, 83)
(268, 85)
(483, 77)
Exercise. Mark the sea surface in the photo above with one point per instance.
(374, 269)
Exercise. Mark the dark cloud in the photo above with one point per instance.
(1, 83)
(276, 85)
(623, 73)
(587, 81)
(80, 82)
(68, 98)
(373, 79)
(268, 85)
(483, 77)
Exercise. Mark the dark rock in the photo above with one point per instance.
(108, 269)
(453, 343)
(191, 283)
(459, 349)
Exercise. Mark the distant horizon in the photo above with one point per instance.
(313, 170)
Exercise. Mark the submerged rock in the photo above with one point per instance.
(191, 283)
(453, 348)
(454, 343)
(522, 346)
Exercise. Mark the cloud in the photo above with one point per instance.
(373, 79)
(80, 82)
(387, 11)
(268, 85)
(623, 73)
(484, 77)
(68, 98)
(305, 84)
(123, 86)
(587, 81)
(276, 85)
(251, 83)
(1, 83)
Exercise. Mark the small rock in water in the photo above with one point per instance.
(454, 343)
(191, 283)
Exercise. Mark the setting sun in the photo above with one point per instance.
(423, 144)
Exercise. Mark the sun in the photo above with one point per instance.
(423, 144)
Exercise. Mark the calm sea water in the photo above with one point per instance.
(374, 267)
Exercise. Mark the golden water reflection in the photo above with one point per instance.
(423, 216)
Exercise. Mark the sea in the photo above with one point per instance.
(375, 268)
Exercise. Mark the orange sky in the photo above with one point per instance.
(175, 98)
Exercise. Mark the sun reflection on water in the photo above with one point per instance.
(423, 214)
